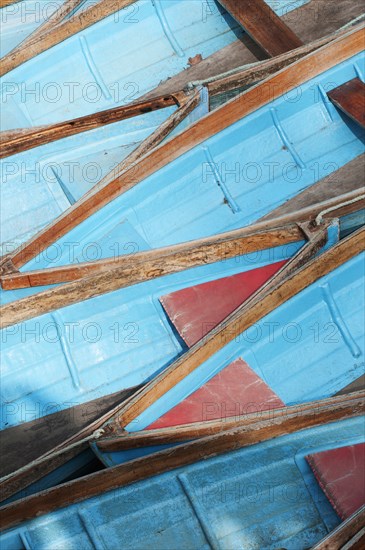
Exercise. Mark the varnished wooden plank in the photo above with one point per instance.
(16, 141)
(188, 453)
(4, 3)
(263, 25)
(118, 273)
(263, 69)
(115, 442)
(350, 98)
(96, 12)
(145, 265)
(284, 81)
(271, 296)
(349, 535)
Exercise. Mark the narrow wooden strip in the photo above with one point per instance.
(142, 468)
(117, 441)
(55, 35)
(350, 98)
(255, 72)
(347, 535)
(240, 320)
(248, 102)
(263, 25)
(146, 265)
(16, 141)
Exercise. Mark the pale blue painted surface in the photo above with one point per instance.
(117, 59)
(175, 204)
(48, 179)
(261, 496)
(109, 343)
(309, 348)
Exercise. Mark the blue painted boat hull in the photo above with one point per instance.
(263, 496)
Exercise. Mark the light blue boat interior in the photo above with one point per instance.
(309, 348)
(230, 180)
(263, 496)
(102, 345)
(198, 194)
(50, 178)
(113, 66)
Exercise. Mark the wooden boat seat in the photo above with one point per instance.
(340, 473)
(350, 99)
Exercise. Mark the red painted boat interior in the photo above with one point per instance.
(195, 311)
(340, 473)
(234, 391)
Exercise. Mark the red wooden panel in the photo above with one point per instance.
(340, 473)
(195, 311)
(234, 391)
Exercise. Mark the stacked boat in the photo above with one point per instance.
(182, 278)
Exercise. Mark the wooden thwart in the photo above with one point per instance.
(349, 535)
(308, 67)
(16, 141)
(350, 98)
(271, 296)
(263, 25)
(188, 453)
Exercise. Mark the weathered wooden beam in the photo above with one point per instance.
(263, 25)
(122, 440)
(271, 296)
(350, 99)
(16, 141)
(348, 535)
(60, 454)
(163, 261)
(55, 35)
(262, 94)
(254, 72)
(182, 455)
(4, 3)
(148, 265)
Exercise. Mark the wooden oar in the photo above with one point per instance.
(263, 25)
(164, 461)
(17, 141)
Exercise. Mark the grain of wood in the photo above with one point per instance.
(263, 25)
(59, 33)
(176, 434)
(17, 141)
(350, 98)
